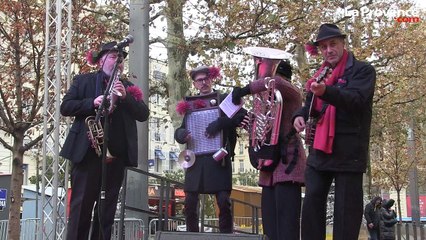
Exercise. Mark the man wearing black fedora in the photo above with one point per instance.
(82, 100)
(341, 110)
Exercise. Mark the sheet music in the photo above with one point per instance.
(229, 108)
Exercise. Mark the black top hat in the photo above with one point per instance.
(285, 69)
(201, 69)
(327, 31)
(105, 48)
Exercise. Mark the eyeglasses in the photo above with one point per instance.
(202, 80)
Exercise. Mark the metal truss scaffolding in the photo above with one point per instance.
(57, 79)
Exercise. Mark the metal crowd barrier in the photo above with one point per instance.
(252, 226)
(171, 225)
(133, 229)
(29, 228)
(410, 231)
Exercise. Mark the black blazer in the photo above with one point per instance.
(78, 103)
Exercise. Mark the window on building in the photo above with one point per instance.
(173, 160)
(241, 148)
(159, 157)
(241, 168)
(157, 122)
(158, 75)
(157, 136)
(25, 170)
(151, 164)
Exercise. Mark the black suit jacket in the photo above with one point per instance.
(78, 103)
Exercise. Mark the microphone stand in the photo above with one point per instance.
(104, 111)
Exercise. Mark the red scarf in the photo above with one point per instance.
(324, 134)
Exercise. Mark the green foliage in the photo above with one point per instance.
(248, 178)
(178, 175)
(49, 173)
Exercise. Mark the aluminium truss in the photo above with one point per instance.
(57, 78)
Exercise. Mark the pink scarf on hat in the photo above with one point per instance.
(324, 134)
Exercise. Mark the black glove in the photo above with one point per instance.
(265, 153)
(216, 126)
(181, 134)
(238, 93)
(268, 152)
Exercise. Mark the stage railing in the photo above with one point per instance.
(164, 200)
(133, 229)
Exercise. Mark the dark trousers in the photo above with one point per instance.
(348, 204)
(86, 185)
(225, 213)
(281, 206)
(373, 234)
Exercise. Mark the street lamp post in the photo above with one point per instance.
(413, 183)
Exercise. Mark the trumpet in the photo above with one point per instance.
(95, 133)
(95, 130)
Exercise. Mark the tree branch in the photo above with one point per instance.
(6, 145)
(107, 15)
(5, 113)
(409, 101)
(36, 140)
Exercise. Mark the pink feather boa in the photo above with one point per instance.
(311, 49)
(214, 72)
(136, 92)
(184, 106)
(89, 57)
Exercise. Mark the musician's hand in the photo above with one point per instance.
(188, 136)
(299, 123)
(216, 126)
(318, 89)
(182, 136)
(238, 93)
(98, 100)
(119, 87)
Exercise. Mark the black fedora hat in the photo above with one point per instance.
(105, 48)
(327, 31)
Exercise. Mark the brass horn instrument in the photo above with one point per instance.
(113, 94)
(95, 133)
(95, 130)
(265, 117)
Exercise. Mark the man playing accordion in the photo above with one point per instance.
(209, 174)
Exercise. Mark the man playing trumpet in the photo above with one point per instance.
(81, 101)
